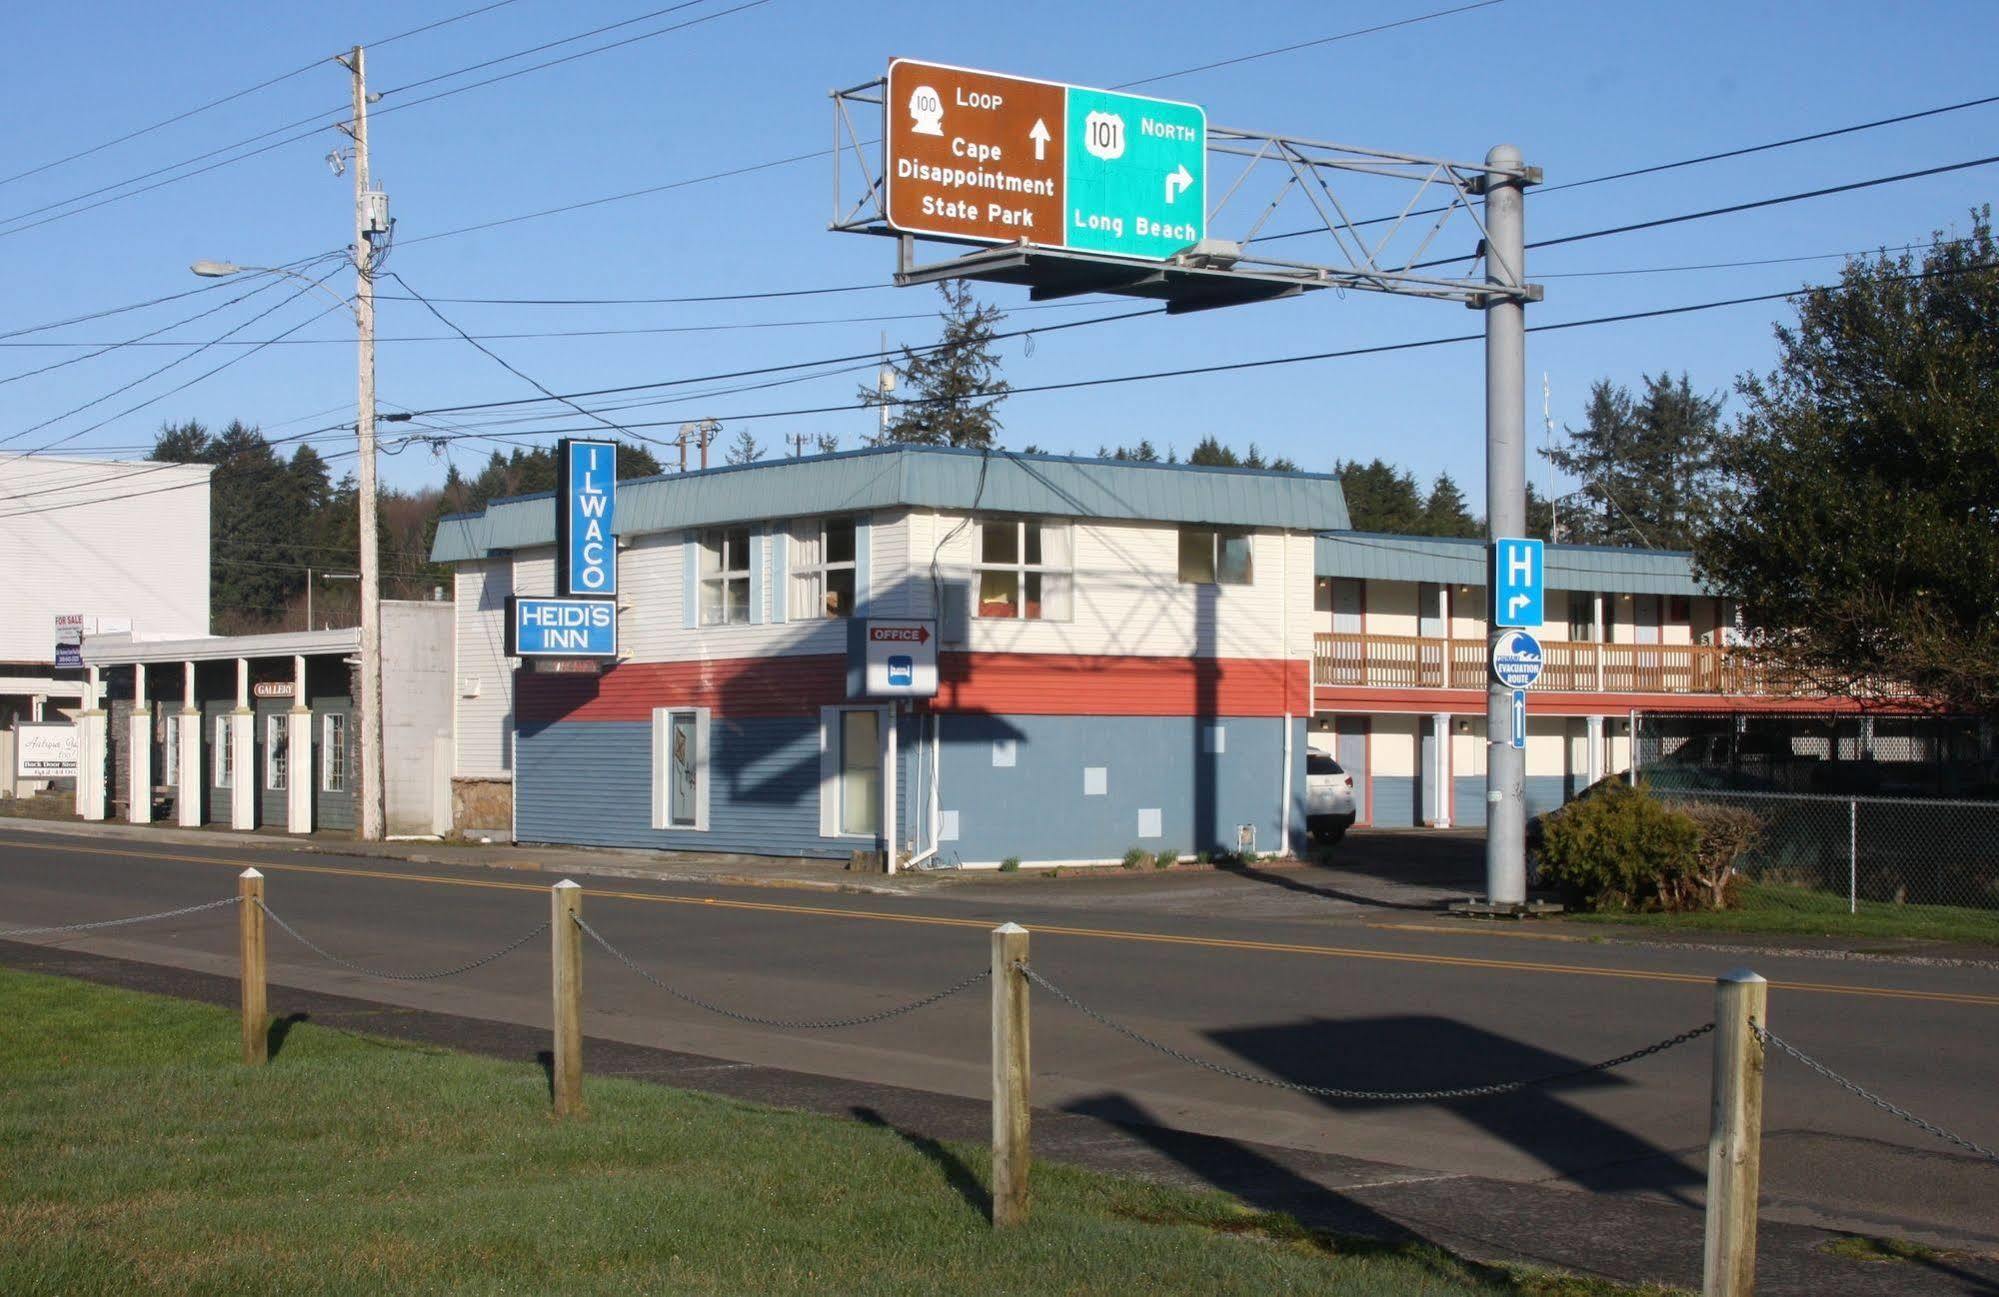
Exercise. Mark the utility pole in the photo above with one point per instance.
(308, 598)
(797, 440)
(369, 216)
(1548, 445)
(1505, 513)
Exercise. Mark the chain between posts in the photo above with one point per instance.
(788, 1024)
(385, 974)
(1769, 1037)
(1376, 1096)
(115, 923)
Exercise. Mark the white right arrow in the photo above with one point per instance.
(1040, 137)
(1177, 182)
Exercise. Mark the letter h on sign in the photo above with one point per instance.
(1516, 579)
(586, 502)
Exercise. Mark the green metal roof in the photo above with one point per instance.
(1378, 556)
(931, 477)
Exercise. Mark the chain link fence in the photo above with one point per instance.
(1898, 850)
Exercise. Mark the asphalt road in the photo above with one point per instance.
(1234, 974)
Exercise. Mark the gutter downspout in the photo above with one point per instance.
(935, 816)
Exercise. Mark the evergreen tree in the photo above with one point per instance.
(1211, 453)
(746, 450)
(1860, 529)
(1646, 463)
(827, 442)
(950, 392)
(1380, 497)
(1445, 513)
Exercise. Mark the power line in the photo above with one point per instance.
(231, 98)
(138, 341)
(1301, 45)
(210, 287)
(307, 134)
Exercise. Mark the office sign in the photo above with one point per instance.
(586, 506)
(892, 659)
(1516, 659)
(999, 159)
(1518, 582)
(542, 627)
(45, 750)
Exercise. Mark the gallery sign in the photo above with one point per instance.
(586, 510)
(543, 627)
(999, 159)
(45, 750)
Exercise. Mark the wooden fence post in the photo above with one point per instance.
(1735, 1135)
(1011, 1153)
(256, 1004)
(566, 951)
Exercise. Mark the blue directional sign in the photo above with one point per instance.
(1516, 659)
(1137, 174)
(1520, 719)
(1518, 582)
(586, 506)
(561, 627)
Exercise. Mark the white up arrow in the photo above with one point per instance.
(1177, 182)
(1040, 137)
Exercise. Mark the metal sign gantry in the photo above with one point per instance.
(1362, 219)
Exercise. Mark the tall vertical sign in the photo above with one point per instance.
(586, 506)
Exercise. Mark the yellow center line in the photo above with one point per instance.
(1970, 998)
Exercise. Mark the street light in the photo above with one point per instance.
(373, 788)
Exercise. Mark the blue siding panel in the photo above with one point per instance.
(1544, 793)
(1395, 802)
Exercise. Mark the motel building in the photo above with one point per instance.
(1126, 655)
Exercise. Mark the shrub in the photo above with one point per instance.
(1167, 858)
(1727, 834)
(1608, 851)
(1136, 857)
(1010, 864)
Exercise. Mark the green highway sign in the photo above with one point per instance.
(989, 158)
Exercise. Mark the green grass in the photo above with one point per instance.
(139, 1156)
(1800, 912)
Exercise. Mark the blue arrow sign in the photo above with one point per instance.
(1518, 582)
(1520, 719)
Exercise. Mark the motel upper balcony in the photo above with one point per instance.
(1408, 612)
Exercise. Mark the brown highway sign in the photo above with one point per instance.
(974, 155)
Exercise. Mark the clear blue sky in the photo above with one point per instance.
(1582, 88)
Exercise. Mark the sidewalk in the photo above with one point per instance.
(720, 869)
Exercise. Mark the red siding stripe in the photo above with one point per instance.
(1026, 684)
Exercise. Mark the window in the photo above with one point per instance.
(860, 771)
(725, 576)
(1025, 570)
(1215, 556)
(225, 755)
(822, 579)
(333, 752)
(1582, 616)
(277, 750)
(680, 768)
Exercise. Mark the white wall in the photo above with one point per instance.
(92, 543)
(482, 693)
(416, 707)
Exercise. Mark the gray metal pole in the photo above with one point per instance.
(1505, 514)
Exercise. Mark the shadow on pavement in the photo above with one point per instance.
(1426, 1052)
(1303, 881)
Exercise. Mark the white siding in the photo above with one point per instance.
(482, 724)
(416, 708)
(105, 539)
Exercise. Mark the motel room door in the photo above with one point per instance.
(1350, 750)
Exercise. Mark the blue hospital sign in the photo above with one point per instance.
(558, 627)
(586, 504)
(1518, 587)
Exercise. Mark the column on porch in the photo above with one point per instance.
(187, 796)
(139, 751)
(1439, 780)
(299, 775)
(91, 732)
(243, 754)
(1593, 756)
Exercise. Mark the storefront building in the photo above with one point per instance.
(260, 731)
(1123, 660)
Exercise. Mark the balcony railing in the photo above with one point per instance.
(1412, 662)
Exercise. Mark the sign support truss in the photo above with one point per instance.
(1361, 219)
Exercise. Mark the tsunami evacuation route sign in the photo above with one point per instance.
(987, 158)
